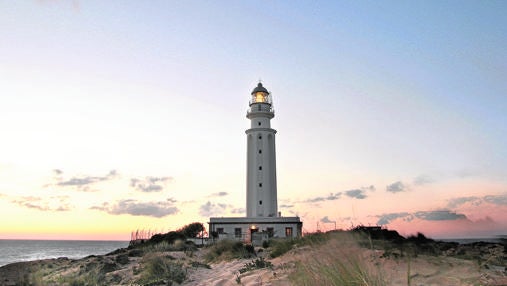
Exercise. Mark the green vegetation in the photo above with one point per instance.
(189, 231)
(258, 263)
(229, 249)
(281, 246)
(157, 269)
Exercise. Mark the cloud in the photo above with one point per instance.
(149, 184)
(442, 215)
(423, 180)
(439, 215)
(286, 206)
(81, 183)
(58, 203)
(326, 220)
(476, 201)
(497, 199)
(212, 209)
(238, 211)
(387, 218)
(330, 197)
(456, 202)
(137, 208)
(396, 187)
(219, 194)
(357, 194)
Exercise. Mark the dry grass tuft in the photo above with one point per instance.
(337, 261)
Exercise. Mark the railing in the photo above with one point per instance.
(261, 108)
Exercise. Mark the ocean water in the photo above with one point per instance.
(472, 240)
(26, 250)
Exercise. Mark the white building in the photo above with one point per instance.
(262, 217)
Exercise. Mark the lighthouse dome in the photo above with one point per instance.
(259, 88)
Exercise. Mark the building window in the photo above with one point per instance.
(288, 232)
(260, 137)
(237, 232)
(260, 151)
(220, 230)
(271, 231)
(260, 185)
(260, 168)
(260, 202)
(259, 123)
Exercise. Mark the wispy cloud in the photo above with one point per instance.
(219, 194)
(57, 203)
(138, 208)
(238, 211)
(356, 194)
(441, 215)
(81, 183)
(286, 206)
(210, 209)
(360, 193)
(396, 187)
(149, 184)
(327, 220)
(497, 199)
(500, 200)
(330, 197)
(423, 180)
(456, 202)
(387, 218)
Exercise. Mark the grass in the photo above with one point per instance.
(334, 259)
(227, 250)
(157, 269)
(281, 246)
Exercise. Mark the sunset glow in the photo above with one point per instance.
(387, 113)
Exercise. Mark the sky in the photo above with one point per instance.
(124, 115)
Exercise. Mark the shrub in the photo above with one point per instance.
(192, 230)
(228, 249)
(280, 246)
(161, 269)
(259, 263)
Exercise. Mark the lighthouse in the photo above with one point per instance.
(262, 221)
(261, 198)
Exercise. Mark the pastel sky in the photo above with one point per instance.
(125, 115)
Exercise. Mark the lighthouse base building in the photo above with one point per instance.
(262, 221)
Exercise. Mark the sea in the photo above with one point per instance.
(26, 250)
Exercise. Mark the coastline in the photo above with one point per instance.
(429, 261)
(23, 250)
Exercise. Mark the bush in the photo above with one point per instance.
(280, 246)
(259, 263)
(228, 249)
(161, 269)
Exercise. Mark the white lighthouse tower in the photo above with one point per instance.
(261, 199)
(262, 221)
